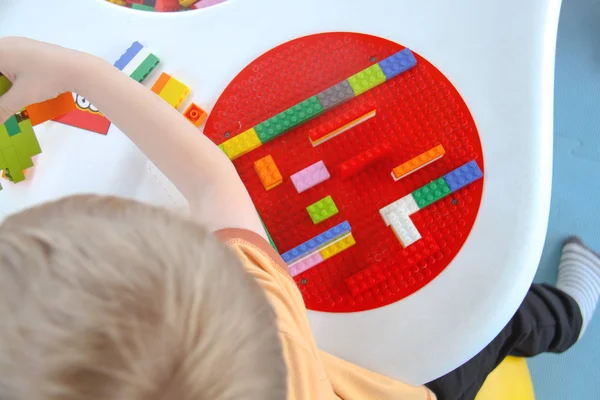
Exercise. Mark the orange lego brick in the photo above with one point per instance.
(50, 109)
(160, 83)
(268, 172)
(195, 114)
(418, 162)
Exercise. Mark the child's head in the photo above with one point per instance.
(103, 298)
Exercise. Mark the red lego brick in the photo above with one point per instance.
(365, 279)
(167, 5)
(356, 164)
(340, 123)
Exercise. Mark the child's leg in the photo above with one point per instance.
(549, 320)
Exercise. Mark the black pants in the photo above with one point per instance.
(549, 320)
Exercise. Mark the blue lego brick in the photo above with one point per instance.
(316, 243)
(398, 63)
(462, 176)
(335, 95)
(129, 54)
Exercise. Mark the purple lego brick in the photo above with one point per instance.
(316, 243)
(463, 175)
(398, 63)
(310, 176)
(305, 264)
(335, 95)
(128, 55)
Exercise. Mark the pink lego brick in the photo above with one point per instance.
(305, 264)
(206, 3)
(310, 176)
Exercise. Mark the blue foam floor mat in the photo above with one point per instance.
(575, 205)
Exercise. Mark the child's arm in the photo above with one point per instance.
(204, 175)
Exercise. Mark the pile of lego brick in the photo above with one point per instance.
(166, 5)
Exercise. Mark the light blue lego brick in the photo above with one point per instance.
(462, 176)
(316, 243)
(398, 63)
(128, 55)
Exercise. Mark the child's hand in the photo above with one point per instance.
(39, 71)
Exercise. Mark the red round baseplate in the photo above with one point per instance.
(416, 111)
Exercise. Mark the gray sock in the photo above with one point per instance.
(579, 277)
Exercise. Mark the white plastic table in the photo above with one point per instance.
(500, 56)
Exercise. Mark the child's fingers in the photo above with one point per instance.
(12, 102)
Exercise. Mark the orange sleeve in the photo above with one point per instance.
(312, 374)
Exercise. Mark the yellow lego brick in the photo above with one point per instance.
(118, 2)
(418, 162)
(174, 92)
(338, 246)
(187, 3)
(241, 144)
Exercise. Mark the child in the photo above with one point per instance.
(104, 298)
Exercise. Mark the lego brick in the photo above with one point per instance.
(12, 126)
(117, 2)
(4, 138)
(406, 232)
(358, 163)
(85, 116)
(241, 144)
(338, 246)
(310, 176)
(142, 7)
(463, 176)
(431, 192)
(28, 139)
(206, 3)
(167, 5)
(365, 279)
(406, 205)
(336, 95)
(420, 161)
(186, 3)
(129, 55)
(268, 172)
(322, 209)
(305, 264)
(174, 92)
(50, 109)
(317, 242)
(5, 84)
(367, 79)
(145, 68)
(288, 119)
(342, 123)
(160, 83)
(398, 63)
(195, 114)
(13, 169)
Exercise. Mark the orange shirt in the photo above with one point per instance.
(312, 374)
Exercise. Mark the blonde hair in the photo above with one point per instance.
(108, 299)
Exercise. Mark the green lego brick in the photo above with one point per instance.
(12, 126)
(367, 79)
(4, 84)
(142, 7)
(288, 119)
(431, 192)
(28, 138)
(4, 138)
(13, 170)
(322, 209)
(145, 68)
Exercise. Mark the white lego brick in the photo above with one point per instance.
(404, 229)
(406, 205)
